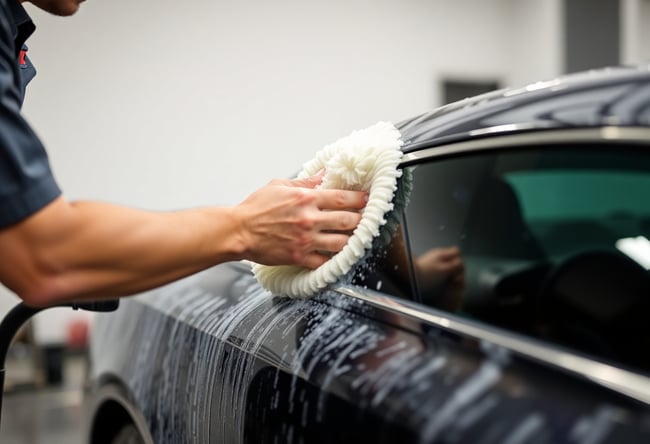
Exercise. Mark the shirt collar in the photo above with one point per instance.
(24, 25)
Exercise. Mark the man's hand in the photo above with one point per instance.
(439, 265)
(75, 251)
(443, 268)
(289, 222)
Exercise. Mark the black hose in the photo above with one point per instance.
(8, 329)
(20, 314)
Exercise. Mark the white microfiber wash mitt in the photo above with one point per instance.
(366, 160)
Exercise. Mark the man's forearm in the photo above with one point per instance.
(91, 250)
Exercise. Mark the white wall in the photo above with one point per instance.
(536, 41)
(635, 16)
(156, 104)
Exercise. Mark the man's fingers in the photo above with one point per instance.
(456, 266)
(345, 221)
(341, 199)
(330, 242)
(325, 246)
(328, 199)
(449, 253)
(308, 182)
(314, 260)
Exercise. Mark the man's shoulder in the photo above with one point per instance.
(7, 22)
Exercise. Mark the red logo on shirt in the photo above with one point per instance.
(21, 57)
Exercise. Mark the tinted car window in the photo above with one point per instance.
(387, 267)
(551, 243)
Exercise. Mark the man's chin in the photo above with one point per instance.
(68, 10)
(62, 9)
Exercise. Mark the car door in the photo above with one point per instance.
(389, 357)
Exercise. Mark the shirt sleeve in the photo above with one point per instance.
(26, 180)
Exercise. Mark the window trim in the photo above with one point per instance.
(626, 382)
(607, 134)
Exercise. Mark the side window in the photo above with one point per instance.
(387, 268)
(550, 242)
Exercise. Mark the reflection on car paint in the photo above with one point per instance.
(569, 102)
(242, 359)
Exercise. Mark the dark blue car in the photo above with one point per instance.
(510, 305)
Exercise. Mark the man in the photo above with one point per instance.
(54, 251)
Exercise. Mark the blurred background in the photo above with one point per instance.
(164, 104)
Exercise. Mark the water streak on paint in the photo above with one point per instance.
(475, 386)
(202, 367)
(527, 430)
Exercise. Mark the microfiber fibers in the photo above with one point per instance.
(365, 160)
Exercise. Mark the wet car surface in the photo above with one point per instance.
(539, 337)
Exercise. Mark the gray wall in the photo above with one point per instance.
(592, 34)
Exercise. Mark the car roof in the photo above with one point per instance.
(613, 96)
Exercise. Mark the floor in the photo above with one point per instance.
(40, 413)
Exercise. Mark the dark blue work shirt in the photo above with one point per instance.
(26, 181)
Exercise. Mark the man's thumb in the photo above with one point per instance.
(309, 182)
